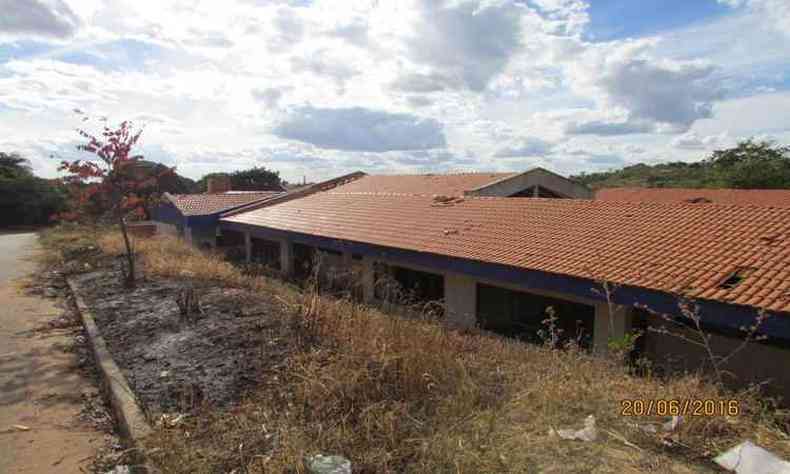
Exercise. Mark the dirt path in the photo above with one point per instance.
(40, 385)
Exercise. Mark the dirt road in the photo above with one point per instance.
(40, 385)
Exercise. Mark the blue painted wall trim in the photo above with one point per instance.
(714, 313)
(167, 212)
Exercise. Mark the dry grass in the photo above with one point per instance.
(398, 395)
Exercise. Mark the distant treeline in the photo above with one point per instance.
(26, 199)
(749, 165)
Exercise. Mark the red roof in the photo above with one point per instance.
(679, 247)
(743, 197)
(205, 204)
(422, 184)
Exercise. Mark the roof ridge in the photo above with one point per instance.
(452, 173)
(595, 202)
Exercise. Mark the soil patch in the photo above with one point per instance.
(233, 343)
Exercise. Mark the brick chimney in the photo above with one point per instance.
(218, 184)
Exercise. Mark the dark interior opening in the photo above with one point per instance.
(542, 193)
(735, 278)
(406, 286)
(520, 315)
(303, 256)
(230, 238)
(266, 252)
(419, 286)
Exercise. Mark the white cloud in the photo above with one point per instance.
(323, 87)
(531, 146)
(359, 129)
(37, 18)
(467, 42)
(651, 94)
(692, 141)
(775, 11)
(601, 127)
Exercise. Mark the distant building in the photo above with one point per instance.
(195, 216)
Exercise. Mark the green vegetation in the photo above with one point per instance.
(258, 178)
(167, 180)
(749, 165)
(26, 199)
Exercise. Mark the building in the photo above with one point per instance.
(195, 216)
(498, 259)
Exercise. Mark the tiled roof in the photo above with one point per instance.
(743, 197)
(681, 247)
(205, 204)
(422, 184)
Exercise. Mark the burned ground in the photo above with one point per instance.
(174, 365)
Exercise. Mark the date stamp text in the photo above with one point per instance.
(680, 407)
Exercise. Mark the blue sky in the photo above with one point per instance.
(322, 88)
(618, 19)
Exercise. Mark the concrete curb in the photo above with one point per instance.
(130, 418)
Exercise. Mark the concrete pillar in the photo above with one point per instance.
(368, 280)
(248, 247)
(348, 260)
(460, 299)
(610, 323)
(286, 257)
(188, 234)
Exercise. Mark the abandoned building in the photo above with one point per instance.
(195, 216)
(497, 250)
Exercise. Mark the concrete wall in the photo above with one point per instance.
(286, 257)
(165, 228)
(536, 177)
(756, 363)
(368, 280)
(611, 322)
(247, 247)
(460, 296)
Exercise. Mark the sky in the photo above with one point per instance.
(319, 88)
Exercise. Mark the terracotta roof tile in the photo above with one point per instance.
(744, 197)
(205, 204)
(657, 246)
(421, 184)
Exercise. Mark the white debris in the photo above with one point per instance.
(672, 424)
(588, 433)
(646, 428)
(320, 464)
(120, 469)
(171, 420)
(748, 458)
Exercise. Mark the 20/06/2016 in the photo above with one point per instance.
(680, 407)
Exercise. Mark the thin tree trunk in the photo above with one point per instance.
(130, 276)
